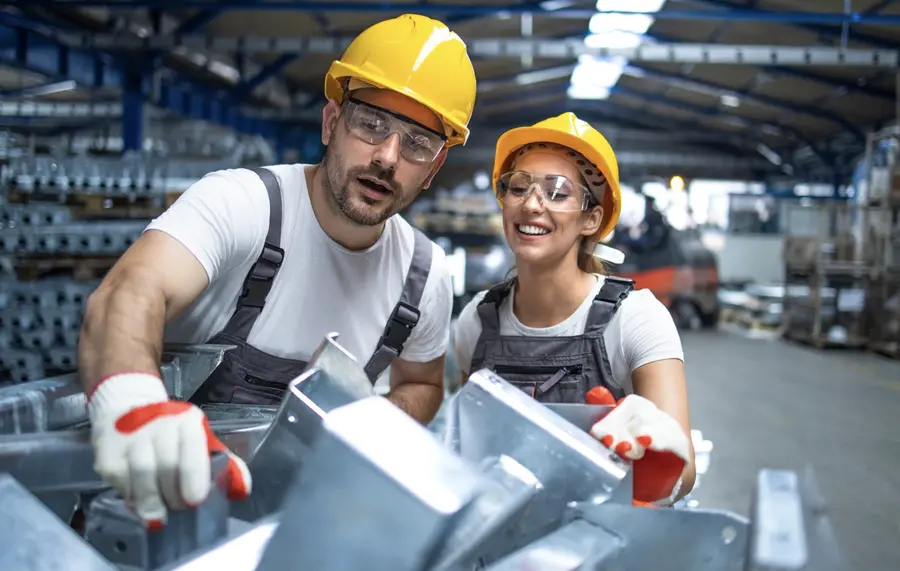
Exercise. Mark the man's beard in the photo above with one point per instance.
(337, 182)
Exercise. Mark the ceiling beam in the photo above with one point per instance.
(566, 49)
(731, 14)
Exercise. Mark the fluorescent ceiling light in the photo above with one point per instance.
(636, 6)
(593, 78)
(613, 39)
(730, 101)
(577, 91)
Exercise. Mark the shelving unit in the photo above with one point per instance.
(826, 277)
(882, 240)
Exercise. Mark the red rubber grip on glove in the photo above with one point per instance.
(134, 420)
(600, 395)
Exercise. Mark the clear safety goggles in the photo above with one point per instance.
(555, 192)
(372, 124)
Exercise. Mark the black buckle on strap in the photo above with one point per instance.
(262, 274)
(399, 326)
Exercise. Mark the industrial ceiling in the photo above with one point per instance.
(758, 89)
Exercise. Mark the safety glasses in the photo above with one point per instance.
(555, 192)
(372, 124)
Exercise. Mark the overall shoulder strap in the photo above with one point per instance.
(262, 274)
(606, 303)
(489, 307)
(405, 315)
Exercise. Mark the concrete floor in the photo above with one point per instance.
(775, 404)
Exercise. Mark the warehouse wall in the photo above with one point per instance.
(755, 257)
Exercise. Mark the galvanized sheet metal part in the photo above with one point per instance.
(62, 461)
(569, 548)
(414, 492)
(120, 536)
(487, 531)
(489, 417)
(239, 552)
(59, 402)
(582, 416)
(333, 378)
(32, 538)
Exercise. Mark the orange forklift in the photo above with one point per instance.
(674, 264)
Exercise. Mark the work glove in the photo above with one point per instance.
(155, 452)
(637, 430)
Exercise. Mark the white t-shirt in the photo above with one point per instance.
(641, 331)
(321, 286)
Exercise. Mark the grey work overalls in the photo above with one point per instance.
(248, 375)
(551, 369)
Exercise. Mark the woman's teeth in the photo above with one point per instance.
(533, 230)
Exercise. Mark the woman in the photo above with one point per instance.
(561, 328)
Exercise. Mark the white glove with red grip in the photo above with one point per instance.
(155, 451)
(639, 431)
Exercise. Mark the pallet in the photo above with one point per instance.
(78, 268)
(887, 348)
(822, 342)
(101, 206)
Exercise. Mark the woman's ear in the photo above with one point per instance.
(594, 217)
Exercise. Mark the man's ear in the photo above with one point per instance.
(435, 167)
(592, 224)
(330, 114)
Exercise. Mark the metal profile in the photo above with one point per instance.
(67, 110)
(514, 47)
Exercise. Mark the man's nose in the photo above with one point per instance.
(387, 153)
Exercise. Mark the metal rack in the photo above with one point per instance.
(881, 232)
(827, 275)
(64, 221)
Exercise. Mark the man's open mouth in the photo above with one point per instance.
(374, 185)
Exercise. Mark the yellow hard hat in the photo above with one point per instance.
(569, 131)
(418, 57)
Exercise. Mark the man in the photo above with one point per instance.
(341, 257)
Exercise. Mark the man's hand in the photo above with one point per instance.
(637, 430)
(155, 451)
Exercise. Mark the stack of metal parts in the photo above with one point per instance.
(43, 175)
(47, 231)
(344, 480)
(39, 325)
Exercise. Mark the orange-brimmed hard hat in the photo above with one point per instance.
(416, 56)
(569, 131)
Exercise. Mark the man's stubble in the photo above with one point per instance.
(337, 181)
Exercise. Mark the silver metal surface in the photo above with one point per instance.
(345, 371)
(59, 402)
(675, 540)
(489, 417)
(38, 406)
(32, 538)
(240, 552)
(62, 461)
(791, 528)
(120, 536)
(333, 379)
(568, 49)
(779, 539)
(186, 367)
(488, 529)
(583, 416)
(377, 476)
(260, 413)
(570, 548)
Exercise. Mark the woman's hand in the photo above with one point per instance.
(639, 431)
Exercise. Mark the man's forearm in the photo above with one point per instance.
(419, 400)
(122, 332)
